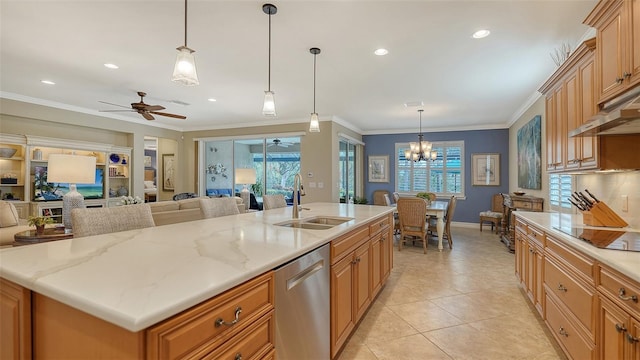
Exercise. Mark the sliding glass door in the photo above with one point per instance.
(347, 171)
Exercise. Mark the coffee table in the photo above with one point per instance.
(29, 237)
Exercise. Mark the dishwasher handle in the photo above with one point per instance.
(300, 277)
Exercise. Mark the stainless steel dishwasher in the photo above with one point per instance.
(302, 307)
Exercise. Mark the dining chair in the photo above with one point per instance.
(387, 200)
(396, 196)
(273, 201)
(106, 220)
(378, 197)
(412, 214)
(215, 207)
(432, 229)
(493, 216)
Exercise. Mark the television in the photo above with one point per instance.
(45, 191)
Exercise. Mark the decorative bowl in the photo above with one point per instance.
(519, 193)
(7, 152)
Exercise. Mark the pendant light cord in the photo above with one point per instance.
(185, 23)
(269, 77)
(314, 83)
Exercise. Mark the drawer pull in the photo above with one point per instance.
(221, 322)
(620, 328)
(621, 295)
(238, 356)
(632, 339)
(563, 332)
(562, 288)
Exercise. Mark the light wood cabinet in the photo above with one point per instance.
(15, 327)
(530, 245)
(617, 24)
(361, 262)
(12, 170)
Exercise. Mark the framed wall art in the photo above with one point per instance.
(485, 169)
(379, 168)
(529, 155)
(169, 172)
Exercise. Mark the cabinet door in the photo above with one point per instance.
(538, 280)
(342, 299)
(613, 325)
(573, 145)
(610, 50)
(589, 107)
(376, 263)
(560, 127)
(530, 271)
(520, 255)
(15, 312)
(362, 270)
(634, 41)
(550, 125)
(386, 253)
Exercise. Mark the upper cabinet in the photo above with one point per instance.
(617, 24)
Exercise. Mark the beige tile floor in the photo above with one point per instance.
(463, 303)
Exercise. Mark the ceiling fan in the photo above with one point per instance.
(144, 109)
(278, 143)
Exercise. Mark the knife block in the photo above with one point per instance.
(602, 215)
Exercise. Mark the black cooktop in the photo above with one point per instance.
(606, 238)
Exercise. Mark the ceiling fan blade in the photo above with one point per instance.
(116, 110)
(168, 115)
(147, 116)
(154, 108)
(108, 103)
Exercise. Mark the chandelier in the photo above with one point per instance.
(420, 150)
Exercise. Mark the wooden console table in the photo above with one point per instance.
(511, 203)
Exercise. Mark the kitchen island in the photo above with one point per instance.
(135, 279)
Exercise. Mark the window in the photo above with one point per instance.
(347, 170)
(442, 176)
(560, 190)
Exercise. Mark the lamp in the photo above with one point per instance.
(314, 123)
(72, 169)
(184, 71)
(269, 107)
(245, 176)
(422, 149)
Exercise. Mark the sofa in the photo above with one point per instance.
(171, 212)
(10, 224)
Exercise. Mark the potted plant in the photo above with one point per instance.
(428, 196)
(39, 222)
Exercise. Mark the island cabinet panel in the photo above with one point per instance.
(207, 326)
(361, 263)
(564, 331)
(254, 342)
(614, 326)
(15, 321)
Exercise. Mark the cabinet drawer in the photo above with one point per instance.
(348, 243)
(621, 289)
(255, 342)
(521, 225)
(563, 330)
(581, 264)
(524, 205)
(536, 235)
(195, 330)
(378, 225)
(581, 300)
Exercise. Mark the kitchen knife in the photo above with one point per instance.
(584, 199)
(590, 194)
(576, 205)
(579, 200)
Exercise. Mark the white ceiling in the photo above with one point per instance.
(465, 83)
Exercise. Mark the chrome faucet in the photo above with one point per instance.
(298, 190)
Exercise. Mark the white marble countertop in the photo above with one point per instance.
(137, 278)
(627, 262)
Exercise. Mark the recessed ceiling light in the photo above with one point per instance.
(111, 66)
(381, 52)
(212, 99)
(481, 33)
(48, 82)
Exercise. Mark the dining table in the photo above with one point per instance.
(438, 209)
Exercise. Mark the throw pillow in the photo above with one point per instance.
(8, 214)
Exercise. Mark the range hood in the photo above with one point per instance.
(618, 116)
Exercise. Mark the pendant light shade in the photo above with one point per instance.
(420, 150)
(314, 123)
(269, 107)
(184, 70)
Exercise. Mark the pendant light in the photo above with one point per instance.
(422, 149)
(314, 123)
(269, 107)
(184, 71)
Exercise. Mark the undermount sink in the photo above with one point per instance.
(316, 223)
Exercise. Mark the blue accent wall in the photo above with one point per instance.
(477, 198)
